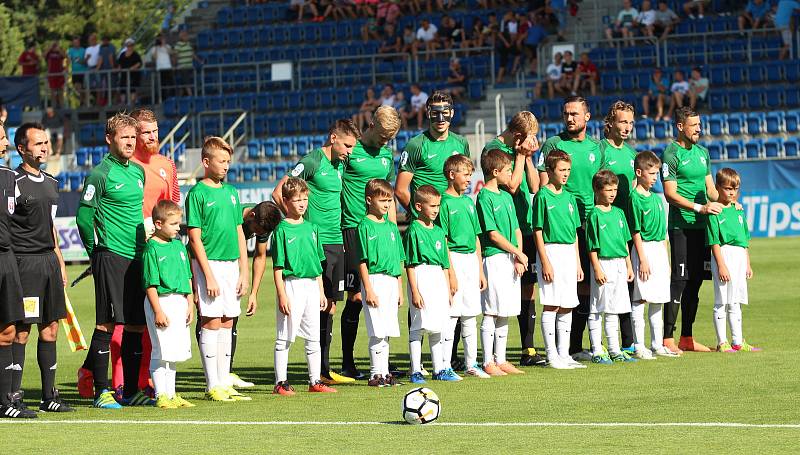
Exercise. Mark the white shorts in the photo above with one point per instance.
(467, 301)
(502, 294)
(735, 290)
(303, 318)
(226, 304)
(612, 297)
(435, 290)
(173, 343)
(563, 290)
(656, 288)
(381, 321)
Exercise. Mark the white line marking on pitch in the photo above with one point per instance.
(793, 426)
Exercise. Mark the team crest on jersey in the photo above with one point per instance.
(12, 204)
(570, 208)
(741, 220)
(541, 159)
(392, 236)
(314, 236)
(162, 173)
(141, 183)
(591, 157)
(385, 162)
(297, 169)
(665, 170)
(233, 199)
(621, 225)
(183, 257)
(631, 164)
(438, 245)
(703, 160)
(89, 193)
(403, 158)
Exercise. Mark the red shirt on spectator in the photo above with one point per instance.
(55, 65)
(29, 61)
(589, 68)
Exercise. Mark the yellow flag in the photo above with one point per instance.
(73, 329)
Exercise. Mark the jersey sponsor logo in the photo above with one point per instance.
(403, 158)
(209, 204)
(162, 173)
(665, 170)
(89, 193)
(603, 226)
(233, 199)
(438, 245)
(291, 240)
(647, 211)
(118, 186)
(12, 204)
(298, 170)
(685, 162)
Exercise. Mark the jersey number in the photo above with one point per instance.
(351, 279)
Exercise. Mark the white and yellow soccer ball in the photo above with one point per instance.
(421, 406)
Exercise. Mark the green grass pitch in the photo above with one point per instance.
(752, 388)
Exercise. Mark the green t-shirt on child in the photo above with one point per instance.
(297, 249)
(556, 215)
(728, 228)
(459, 220)
(607, 233)
(217, 212)
(496, 213)
(381, 247)
(165, 266)
(425, 245)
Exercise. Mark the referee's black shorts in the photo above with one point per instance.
(118, 291)
(529, 248)
(691, 257)
(333, 272)
(42, 286)
(352, 259)
(11, 309)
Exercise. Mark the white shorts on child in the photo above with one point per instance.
(381, 321)
(303, 318)
(612, 297)
(172, 343)
(656, 288)
(226, 304)
(503, 293)
(434, 288)
(467, 301)
(563, 290)
(735, 290)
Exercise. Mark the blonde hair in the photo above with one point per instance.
(611, 116)
(728, 176)
(457, 163)
(165, 209)
(144, 115)
(387, 120)
(524, 123)
(293, 186)
(426, 193)
(118, 121)
(213, 143)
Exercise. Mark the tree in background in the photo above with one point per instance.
(12, 44)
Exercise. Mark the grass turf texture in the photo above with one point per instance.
(742, 387)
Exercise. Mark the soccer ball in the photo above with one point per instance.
(420, 406)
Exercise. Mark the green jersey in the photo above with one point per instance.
(646, 216)
(586, 161)
(620, 162)
(247, 234)
(364, 164)
(556, 215)
(381, 247)
(324, 180)
(425, 245)
(522, 198)
(424, 157)
(459, 221)
(689, 169)
(728, 228)
(297, 249)
(165, 266)
(607, 233)
(217, 212)
(496, 213)
(110, 213)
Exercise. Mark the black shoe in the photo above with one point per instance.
(17, 399)
(396, 372)
(458, 365)
(534, 360)
(391, 381)
(15, 409)
(352, 373)
(377, 381)
(54, 404)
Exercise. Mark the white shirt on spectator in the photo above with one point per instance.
(418, 101)
(92, 55)
(161, 55)
(553, 72)
(680, 87)
(388, 101)
(427, 35)
(626, 16)
(646, 17)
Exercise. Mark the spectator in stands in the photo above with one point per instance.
(623, 26)
(666, 19)
(698, 88)
(400, 103)
(371, 30)
(678, 91)
(76, 55)
(301, 5)
(444, 5)
(29, 61)
(53, 123)
(756, 15)
(56, 79)
(646, 19)
(534, 36)
(559, 9)
(391, 42)
(169, 17)
(445, 31)
(783, 22)
(505, 43)
(473, 37)
(339, 9)
(696, 6)
(553, 79)
(658, 90)
(457, 80)
(427, 38)
(388, 12)
(417, 111)
(409, 40)
(587, 76)
(130, 79)
(106, 62)
(569, 72)
(92, 58)
(387, 96)
(161, 55)
(185, 58)
(415, 6)
(364, 114)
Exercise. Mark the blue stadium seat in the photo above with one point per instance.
(774, 71)
(75, 180)
(233, 172)
(266, 172)
(643, 129)
(775, 122)
(733, 149)
(756, 122)
(302, 145)
(248, 172)
(718, 75)
(97, 154)
(736, 123)
(627, 82)
(754, 98)
(254, 150)
(791, 96)
(716, 124)
(715, 150)
(791, 121)
(282, 168)
(61, 177)
(753, 148)
(791, 147)
(773, 97)
(791, 70)
(773, 147)
(736, 74)
(736, 100)
(82, 156)
(662, 129)
(755, 74)
(608, 82)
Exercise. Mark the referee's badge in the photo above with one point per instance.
(12, 204)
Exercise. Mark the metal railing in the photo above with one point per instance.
(499, 113)
(230, 135)
(169, 139)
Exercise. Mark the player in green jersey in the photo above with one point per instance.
(587, 159)
(370, 159)
(322, 170)
(618, 158)
(111, 226)
(520, 143)
(690, 191)
(423, 159)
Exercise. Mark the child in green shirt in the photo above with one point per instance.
(167, 280)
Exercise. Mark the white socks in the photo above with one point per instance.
(163, 375)
(469, 336)
(314, 361)
(656, 325)
(447, 339)
(487, 338)
(612, 333)
(281, 359)
(437, 357)
(734, 317)
(500, 339)
(224, 355)
(637, 314)
(548, 322)
(563, 330)
(208, 354)
(415, 351)
(595, 333)
(378, 356)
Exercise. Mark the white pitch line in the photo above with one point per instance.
(792, 426)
